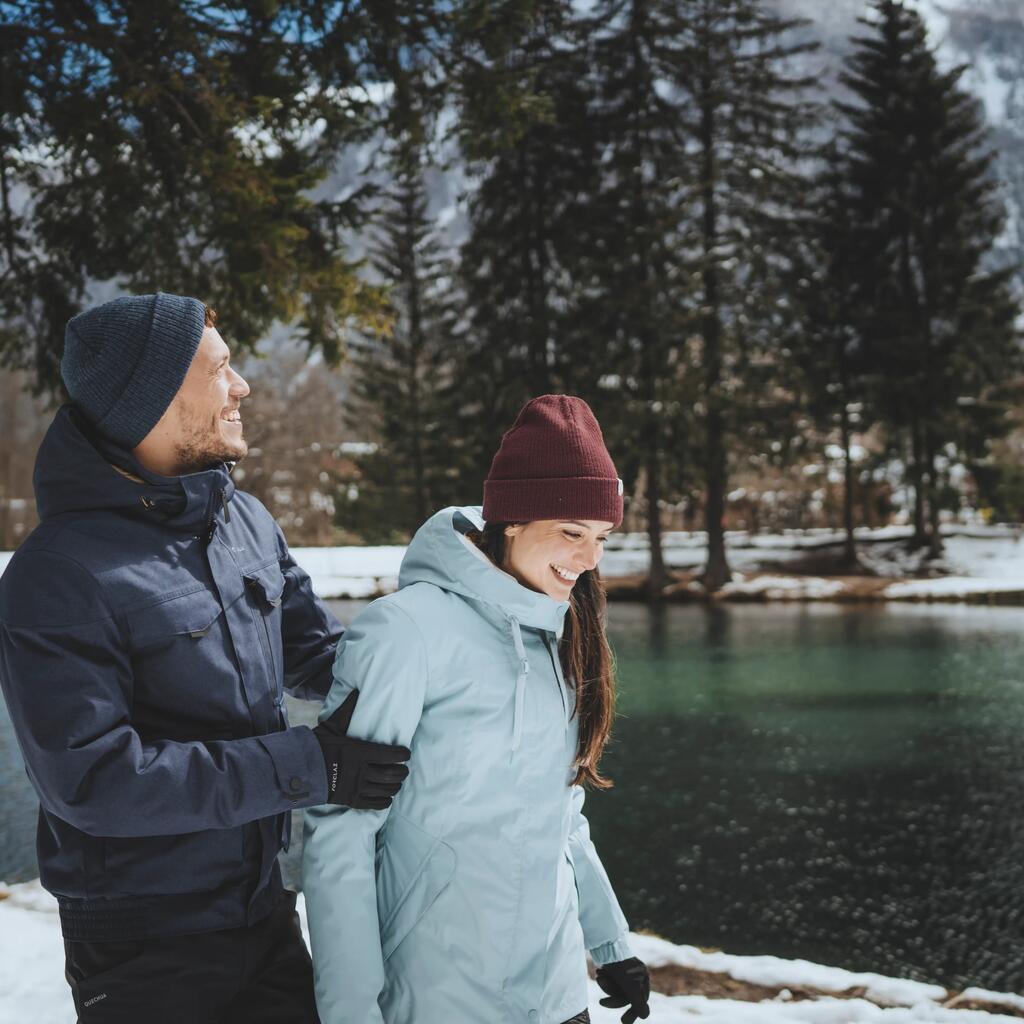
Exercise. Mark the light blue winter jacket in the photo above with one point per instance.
(473, 899)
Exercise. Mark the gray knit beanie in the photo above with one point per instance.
(125, 360)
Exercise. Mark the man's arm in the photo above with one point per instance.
(309, 631)
(67, 680)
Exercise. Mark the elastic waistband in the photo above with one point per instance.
(129, 918)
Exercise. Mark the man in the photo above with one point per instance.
(149, 628)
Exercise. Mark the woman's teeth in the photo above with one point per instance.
(233, 417)
(569, 577)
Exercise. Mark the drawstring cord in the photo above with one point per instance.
(523, 672)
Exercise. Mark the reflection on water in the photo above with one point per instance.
(837, 783)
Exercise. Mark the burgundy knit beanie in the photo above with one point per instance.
(553, 464)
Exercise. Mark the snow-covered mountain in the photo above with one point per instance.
(986, 36)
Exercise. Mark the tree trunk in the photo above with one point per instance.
(657, 575)
(533, 260)
(850, 547)
(920, 538)
(716, 571)
(647, 335)
(928, 436)
(416, 345)
(935, 546)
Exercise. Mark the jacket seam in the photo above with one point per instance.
(174, 595)
(111, 613)
(419, 635)
(245, 570)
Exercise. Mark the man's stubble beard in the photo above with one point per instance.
(202, 446)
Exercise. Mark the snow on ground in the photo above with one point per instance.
(984, 995)
(773, 971)
(991, 558)
(951, 587)
(351, 572)
(784, 588)
(680, 1009)
(977, 561)
(32, 985)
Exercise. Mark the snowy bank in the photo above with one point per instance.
(983, 564)
(768, 990)
(980, 564)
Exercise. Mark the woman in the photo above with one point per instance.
(475, 896)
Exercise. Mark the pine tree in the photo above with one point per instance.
(525, 136)
(402, 382)
(828, 355)
(175, 146)
(937, 324)
(747, 123)
(641, 306)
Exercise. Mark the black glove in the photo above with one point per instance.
(359, 773)
(627, 984)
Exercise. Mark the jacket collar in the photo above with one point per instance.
(78, 470)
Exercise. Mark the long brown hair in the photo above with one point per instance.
(586, 658)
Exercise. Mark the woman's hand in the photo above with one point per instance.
(627, 984)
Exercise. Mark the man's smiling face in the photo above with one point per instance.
(202, 426)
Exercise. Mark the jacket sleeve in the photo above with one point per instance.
(310, 633)
(383, 656)
(67, 680)
(605, 930)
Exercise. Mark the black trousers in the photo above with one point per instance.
(256, 975)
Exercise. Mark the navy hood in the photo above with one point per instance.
(75, 472)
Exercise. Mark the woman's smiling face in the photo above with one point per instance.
(548, 555)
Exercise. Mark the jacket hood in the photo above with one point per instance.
(75, 472)
(441, 554)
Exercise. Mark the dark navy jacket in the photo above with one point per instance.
(148, 633)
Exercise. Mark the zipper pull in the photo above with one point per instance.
(211, 520)
(224, 505)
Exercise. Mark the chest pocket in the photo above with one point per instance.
(191, 615)
(179, 651)
(268, 583)
(265, 585)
